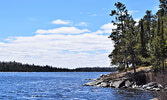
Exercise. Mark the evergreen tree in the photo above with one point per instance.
(124, 37)
(145, 43)
(159, 42)
(131, 41)
(118, 55)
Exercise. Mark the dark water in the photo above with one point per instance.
(61, 86)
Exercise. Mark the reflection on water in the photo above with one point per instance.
(61, 86)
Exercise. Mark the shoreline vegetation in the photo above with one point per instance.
(136, 44)
(144, 79)
(139, 43)
(19, 67)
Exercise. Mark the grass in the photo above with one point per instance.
(138, 68)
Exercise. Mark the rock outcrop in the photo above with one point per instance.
(127, 80)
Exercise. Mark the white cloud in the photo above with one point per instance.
(59, 21)
(82, 24)
(64, 30)
(106, 28)
(98, 32)
(59, 50)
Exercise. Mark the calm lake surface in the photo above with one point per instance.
(61, 86)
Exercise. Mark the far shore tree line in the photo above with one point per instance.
(142, 43)
(19, 67)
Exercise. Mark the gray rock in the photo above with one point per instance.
(134, 86)
(148, 88)
(111, 83)
(160, 86)
(128, 83)
(93, 83)
(90, 83)
(151, 85)
(156, 89)
(144, 86)
(99, 85)
(118, 84)
(104, 84)
(102, 75)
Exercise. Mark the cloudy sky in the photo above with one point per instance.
(61, 33)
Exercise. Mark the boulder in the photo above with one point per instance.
(118, 84)
(111, 83)
(94, 83)
(103, 84)
(156, 89)
(151, 85)
(128, 83)
(102, 75)
(148, 88)
(160, 86)
(90, 83)
(135, 86)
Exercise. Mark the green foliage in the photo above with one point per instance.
(142, 44)
(124, 37)
(119, 54)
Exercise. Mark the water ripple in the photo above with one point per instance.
(61, 86)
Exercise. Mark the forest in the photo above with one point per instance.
(142, 43)
(19, 67)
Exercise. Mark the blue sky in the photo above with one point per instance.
(62, 33)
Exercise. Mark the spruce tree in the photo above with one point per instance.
(118, 55)
(124, 37)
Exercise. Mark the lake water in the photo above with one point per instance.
(61, 86)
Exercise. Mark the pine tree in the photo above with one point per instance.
(145, 43)
(118, 55)
(159, 43)
(131, 42)
(124, 37)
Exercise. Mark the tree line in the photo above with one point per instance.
(139, 43)
(19, 67)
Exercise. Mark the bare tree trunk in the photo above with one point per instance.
(163, 65)
(133, 64)
(127, 65)
(134, 67)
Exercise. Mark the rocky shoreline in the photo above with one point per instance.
(127, 80)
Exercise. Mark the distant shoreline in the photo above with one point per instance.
(19, 67)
